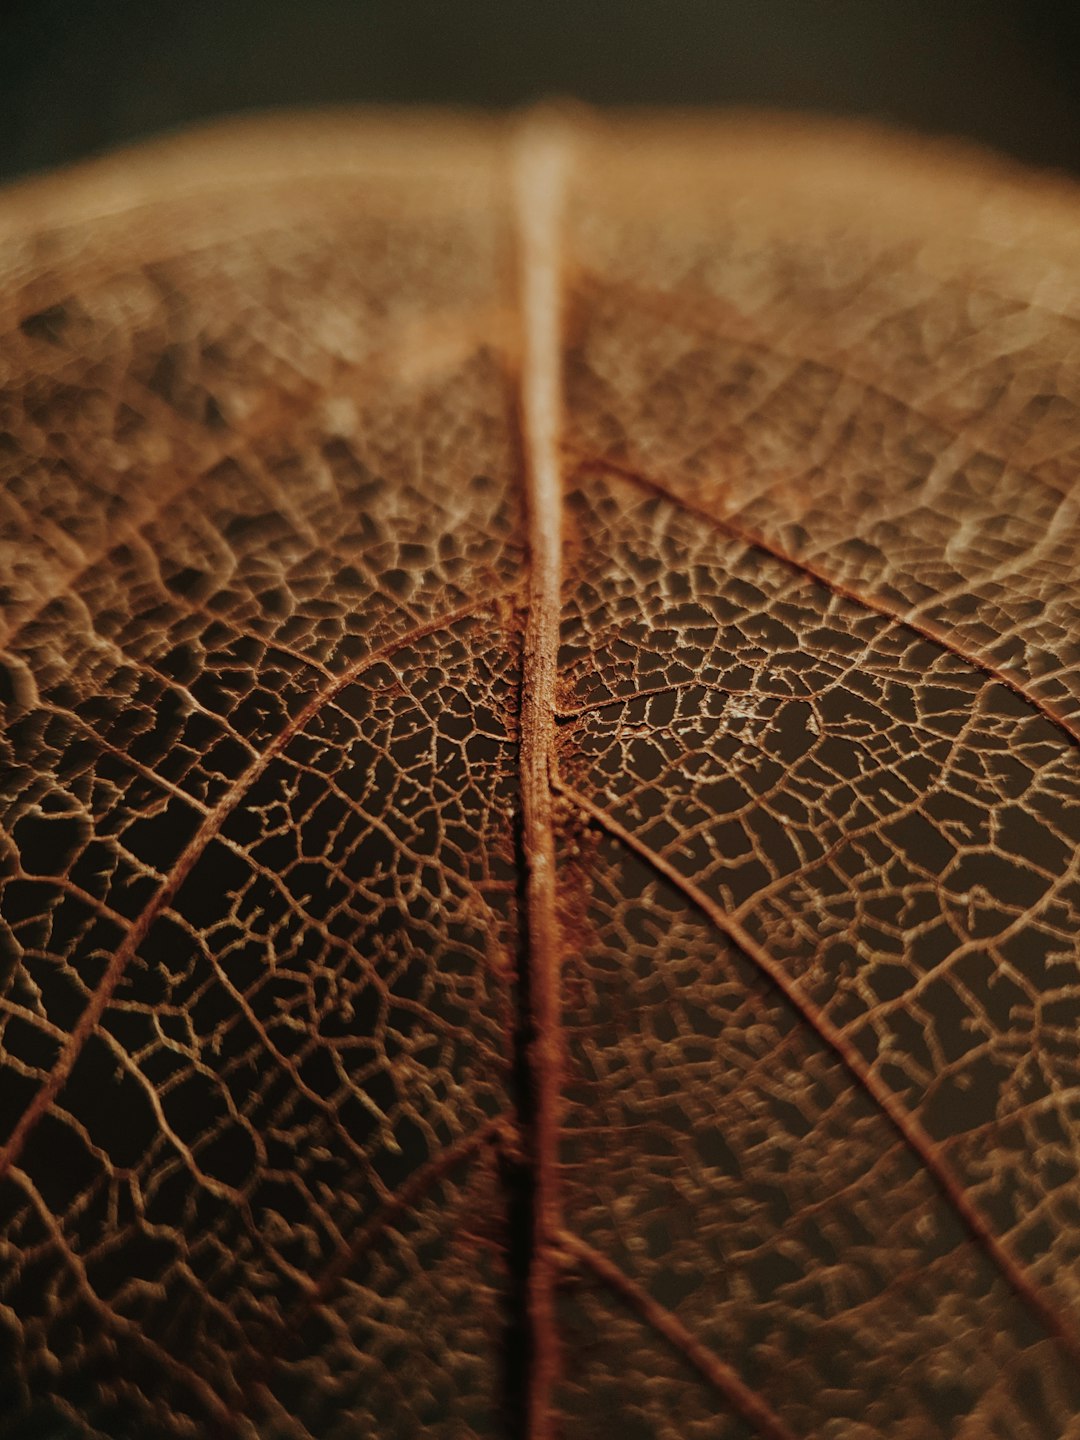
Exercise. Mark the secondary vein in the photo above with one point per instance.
(926, 1150)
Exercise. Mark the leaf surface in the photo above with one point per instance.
(540, 787)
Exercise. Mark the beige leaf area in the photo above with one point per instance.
(541, 681)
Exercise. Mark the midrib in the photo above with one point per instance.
(540, 164)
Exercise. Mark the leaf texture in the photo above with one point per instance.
(540, 787)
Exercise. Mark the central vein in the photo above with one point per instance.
(539, 189)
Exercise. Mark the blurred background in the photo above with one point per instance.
(79, 76)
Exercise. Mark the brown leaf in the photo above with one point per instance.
(540, 787)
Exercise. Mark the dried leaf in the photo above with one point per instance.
(540, 883)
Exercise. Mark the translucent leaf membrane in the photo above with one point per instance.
(850, 793)
(866, 358)
(440, 997)
(260, 770)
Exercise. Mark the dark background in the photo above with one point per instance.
(78, 76)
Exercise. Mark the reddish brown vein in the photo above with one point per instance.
(264, 423)
(206, 832)
(413, 1190)
(918, 1141)
(401, 1202)
(283, 407)
(731, 527)
(706, 1362)
(539, 186)
(720, 322)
